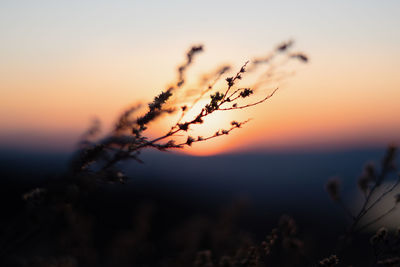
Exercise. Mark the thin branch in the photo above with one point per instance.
(383, 195)
(252, 104)
(203, 92)
(231, 81)
(376, 219)
(217, 134)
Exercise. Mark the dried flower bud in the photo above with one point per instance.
(170, 143)
(284, 46)
(189, 140)
(183, 126)
(333, 189)
(363, 184)
(388, 159)
(198, 119)
(300, 57)
(235, 123)
(246, 92)
(369, 170)
(230, 81)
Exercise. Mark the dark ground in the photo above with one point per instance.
(172, 197)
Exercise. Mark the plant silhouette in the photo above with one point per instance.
(70, 221)
(128, 138)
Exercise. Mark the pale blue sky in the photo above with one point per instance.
(67, 26)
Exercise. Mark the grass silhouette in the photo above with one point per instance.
(128, 138)
(71, 221)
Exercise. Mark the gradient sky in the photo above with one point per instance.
(64, 62)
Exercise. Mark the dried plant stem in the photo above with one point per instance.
(365, 208)
(128, 138)
(252, 104)
(377, 219)
(383, 195)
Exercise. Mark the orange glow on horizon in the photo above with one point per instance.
(325, 102)
(64, 64)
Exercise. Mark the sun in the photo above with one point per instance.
(213, 122)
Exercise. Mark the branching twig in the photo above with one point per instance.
(252, 104)
(377, 219)
(121, 145)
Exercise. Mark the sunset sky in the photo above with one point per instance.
(62, 63)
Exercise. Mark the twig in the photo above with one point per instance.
(377, 219)
(252, 104)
